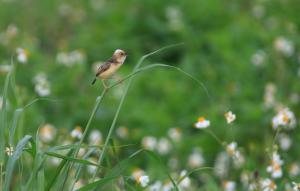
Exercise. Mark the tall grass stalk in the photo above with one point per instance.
(111, 129)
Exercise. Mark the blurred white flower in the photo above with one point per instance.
(221, 165)
(269, 95)
(143, 180)
(185, 180)
(268, 185)
(5, 68)
(91, 169)
(76, 133)
(174, 18)
(95, 137)
(163, 146)
(296, 186)
(202, 123)
(7, 35)
(55, 161)
(78, 184)
(285, 141)
(275, 166)
(168, 186)
(229, 185)
(230, 117)
(157, 186)
(22, 55)
(9, 151)
(231, 148)
(285, 117)
(258, 58)
(81, 152)
(137, 173)
(196, 159)
(284, 46)
(258, 11)
(174, 134)
(294, 169)
(149, 142)
(122, 132)
(47, 133)
(70, 58)
(42, 86)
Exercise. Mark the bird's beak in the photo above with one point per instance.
(126, 54)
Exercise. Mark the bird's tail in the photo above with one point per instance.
(94, 81)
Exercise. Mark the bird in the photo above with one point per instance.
(109, 68)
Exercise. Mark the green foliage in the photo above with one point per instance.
(235, 55)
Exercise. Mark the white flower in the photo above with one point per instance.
(76, 133)
(78, 184)
(5, 68)
(122, 132)
(202, 123)
(185, 180)
(47, 133)
(275, 166)
(91, 169)
(258, 11)
(230, 117)
(294, 170)
(42, 86)
(258, 58)
(70, 58)
(163, 146)
(229, 185)
(9, 151)
(174, 17)
(137, 173)
(284, 46)
(285, 141)
(149, 142)
(285, 117)
(269, 95)
(157, 186)
(22, 55)
(143, 180)
(168, 186)
(95, 137)
(221, 165)
(55, 161)
(195, 159)
(268, 185)
(174, 134)
(231, 148)
(296, 186)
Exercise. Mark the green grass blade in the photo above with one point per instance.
(13, 159)
(76, 160)
(57, 173)
(3, 118)
(112, 127)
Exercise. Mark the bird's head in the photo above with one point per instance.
(120, 55)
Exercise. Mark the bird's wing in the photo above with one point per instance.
(104, 67)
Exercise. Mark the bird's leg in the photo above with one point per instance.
(104, 85)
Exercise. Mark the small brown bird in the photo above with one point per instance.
(109, 68)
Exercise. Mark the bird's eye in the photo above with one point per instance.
(122, 53)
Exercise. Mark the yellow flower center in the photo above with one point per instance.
(201, 119)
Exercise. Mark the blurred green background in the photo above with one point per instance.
(234, 47)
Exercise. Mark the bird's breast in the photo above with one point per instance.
(110, 71)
